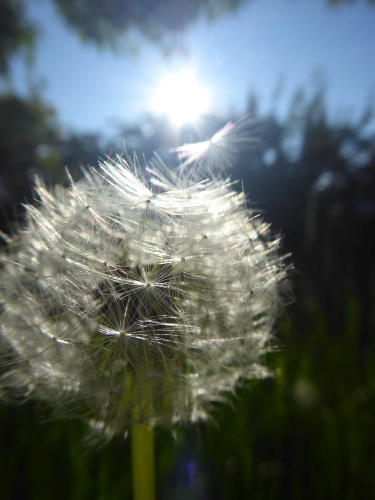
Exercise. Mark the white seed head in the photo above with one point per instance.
(125, 300)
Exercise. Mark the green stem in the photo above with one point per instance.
(142, 443)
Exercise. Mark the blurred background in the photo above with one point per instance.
(83, 79)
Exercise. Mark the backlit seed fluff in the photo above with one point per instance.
(126, 300)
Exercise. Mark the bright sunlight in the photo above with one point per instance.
(181, 97)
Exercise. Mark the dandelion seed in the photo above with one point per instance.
(217, 152)
(129, 300)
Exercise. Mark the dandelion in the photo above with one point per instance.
(126, 300)
(216, 153)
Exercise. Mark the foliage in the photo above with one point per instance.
(16, 32)
(25, 125)
(106, 22)
(112, 23)
(306, 433)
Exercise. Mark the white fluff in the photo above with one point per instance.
(125, 300)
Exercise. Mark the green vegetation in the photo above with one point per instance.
(306, 433)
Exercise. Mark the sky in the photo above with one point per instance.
(264, 45)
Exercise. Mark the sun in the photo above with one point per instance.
(181, 97)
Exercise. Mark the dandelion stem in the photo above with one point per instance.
(142, 443)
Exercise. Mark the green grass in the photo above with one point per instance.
(306, 433)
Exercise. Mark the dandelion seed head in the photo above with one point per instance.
(126, 299)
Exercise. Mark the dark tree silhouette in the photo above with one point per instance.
(104, 22)
(16, 32)
(25, 125)
(108, 23)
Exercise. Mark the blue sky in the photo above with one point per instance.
(261, 44)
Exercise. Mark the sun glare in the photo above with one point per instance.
(181, 98)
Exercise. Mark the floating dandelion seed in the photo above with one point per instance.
(218, 152)
(125, 300)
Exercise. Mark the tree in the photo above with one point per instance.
(16, 32)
